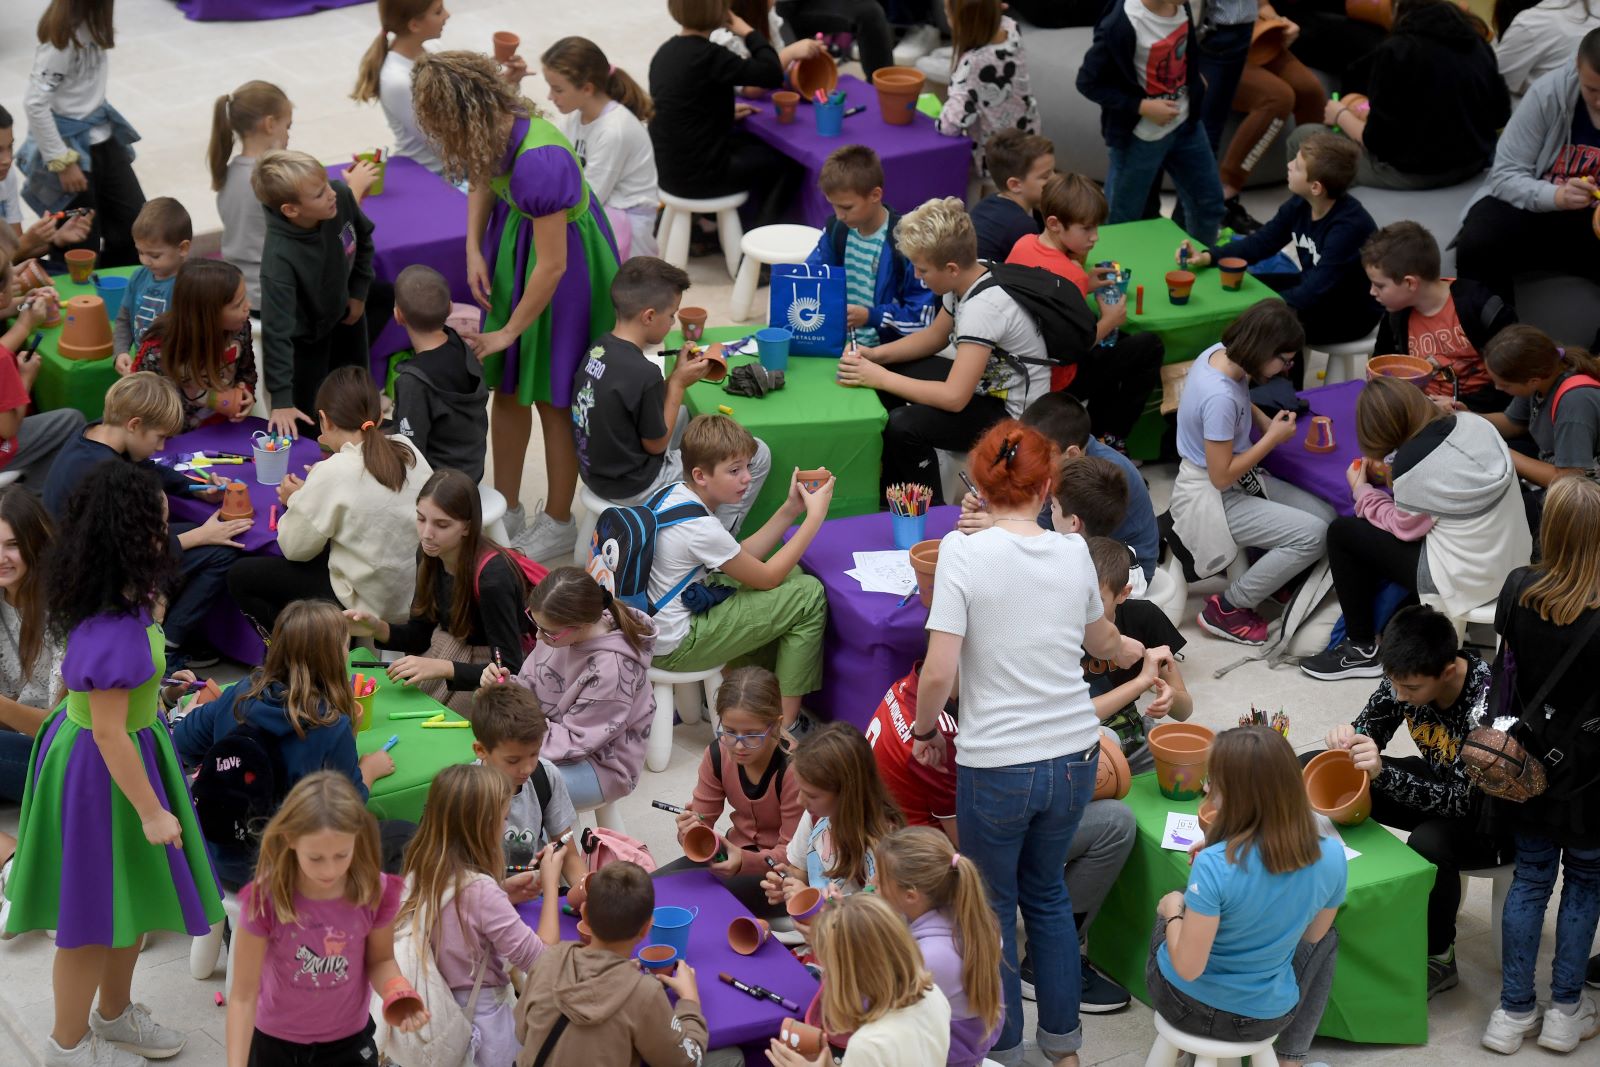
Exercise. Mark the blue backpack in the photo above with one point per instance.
(624, 548)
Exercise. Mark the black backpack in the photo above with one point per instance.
(240, 785)
(1055, 306)
(624, 548)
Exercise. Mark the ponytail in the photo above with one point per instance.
(349, 400)
(569, 596)
(238, 114)
(1527, 354)
(581, 62)
(371, 64)
(621, 87)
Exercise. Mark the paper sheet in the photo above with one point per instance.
(884, 572)
(1182, 831)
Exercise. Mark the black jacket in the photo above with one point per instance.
(1109, 78)
(441, 403)
(1482, 315)
(692, 85)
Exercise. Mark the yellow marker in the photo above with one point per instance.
(446, 725)
(437, 718)
(725, 409)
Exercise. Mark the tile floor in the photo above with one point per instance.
(165, 74)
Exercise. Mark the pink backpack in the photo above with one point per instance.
(602, 846)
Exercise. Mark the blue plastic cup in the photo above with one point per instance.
(908, 529)
(830, 119)
(772, 346)
(672, 928)
(111, 290)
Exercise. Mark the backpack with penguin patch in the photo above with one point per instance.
(240, 785)
(624, 548)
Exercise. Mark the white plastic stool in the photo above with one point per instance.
(493, 506)
(1208, 1052)
(678, 214)
(1500, 885)
(1342, 358)
(593, 505)
(607, 816)
(768, 245)
(205, 950)
(1482, 615)
(1168, 590)
(659, 752)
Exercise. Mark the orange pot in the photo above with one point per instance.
(809, 75)
(718, 369)
(701, 844)
(746, 934)
(898, 89)
(1180, 750)
(1413, 369)
(86, 333)
(693, 322)
(1338, 788)
(1231, 272)
(236, 502)
(1111, 775)
(925, 560)
(80, 264)
(786, 102)
(1208, 814)
(802, 1038)
(585, 935)
(804, 904)
(813, 480)
(661, 959)
(505, 45)
(1179, 283)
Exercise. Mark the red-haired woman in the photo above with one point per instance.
(1029, 736)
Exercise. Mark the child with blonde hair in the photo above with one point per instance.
(257, 116)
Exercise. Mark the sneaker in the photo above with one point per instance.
(515, 520)
(1562, 1032)
(1344, 660)
(1241, 625)
(1237, 218)
(1100, 995)
(5, 901)
(134, 1031)
(1442, 973)
(935, 66)
(1592, 978)
(1025, 970)
(196, 659)
(1505, 1031)
(916, 44)
(90, 1052)
(546, 539)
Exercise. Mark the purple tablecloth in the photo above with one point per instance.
(732, 1017)
(252, 10)
(919, 163)
(1322, 473)
(872, 639)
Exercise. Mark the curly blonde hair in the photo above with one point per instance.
(461, 101)
(940, 232)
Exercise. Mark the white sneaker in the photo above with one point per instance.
(90, 1052)
(916, 44)
(134, 1031)
(1562, 1032)
(514, 519)
(935, 66)
(545, 539)
(5, 901)
(1504, 1033)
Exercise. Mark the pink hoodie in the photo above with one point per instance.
(598, 699)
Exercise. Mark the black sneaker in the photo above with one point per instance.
(1442, 973)
(1026, 971)
(1592, 979)
(1344, 660)
(1237, 219)
(1100, 995)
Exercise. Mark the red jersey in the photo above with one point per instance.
(925, 794)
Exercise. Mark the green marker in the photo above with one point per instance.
(412, 714)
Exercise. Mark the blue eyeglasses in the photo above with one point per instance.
(731, 739)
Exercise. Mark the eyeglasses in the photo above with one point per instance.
(731, 739)
(553, 635)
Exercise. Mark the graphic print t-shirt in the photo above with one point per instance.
(1580, 156)
(1439, 337)
(1161, 59)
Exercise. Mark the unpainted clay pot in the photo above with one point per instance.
(399, 1005)
(804, 904)
(585, 935)
(505, 45)
(802, 1038)
(898, 89)
(1180, 750)
(1338, 788)
(747, 934)
(701, 844)
(925, 560)
(718, 368)
(1413, 369)
(819, 72)
(661, 959)
(1208, 814)
(1112, 776)
(86, 333)
(236, 502)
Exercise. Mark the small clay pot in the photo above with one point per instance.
(1208, 814)
(693, 321)
(804, 904)
(925, 560)
(208, 692)
(747, 934)
(701, 844)
(662, 959)
(398, 1006)
(786, 102)
(231, 402)
(585, 935)
(1180, 750)
(1231, 272)
(80, 264)
(819, 72)
(32, 275)
(1320, 437)
(1338, 788)
(1413, 369)
(813, 480)
(236, 502)
(1112, 776)
(718, 368)
(87, 332)
(1179, 282)
(578, 894)
(898, 89)
(802, 1038)
(505, 45)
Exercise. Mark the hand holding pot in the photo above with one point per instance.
(1356, 476)
(780, 1055)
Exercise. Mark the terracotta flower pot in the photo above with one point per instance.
(1320, 437)
(661, 959)
(208, 692)
(32, 275)
(398, 1005)
(1208, 814)
(80, 264)
(813, 479)
(1413, 369)
(1180, 750)
(86, 333)
(234, 401)
(579, 894)
(236, 502)
(809, 75)
(804, 904)
(702, 845)
(586, 935)
(693, 321)
(1111, 776)
(1267, 41)
(898, 89)
(505, 45)
(718, 369)
(925, 560)
(802, 1038)
(746, 934)
(1231, 272)
(1338, 788)
(1179, 282)
(786, 102)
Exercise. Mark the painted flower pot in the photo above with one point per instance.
(1413, 369)
(1180, 750)
(661, 959)
(1111, 774)
(1231, 272)
(802, 1038)
(693, 321)
(702, 845)
(1338, 788)
(804, 905)
(80, 264)
(236, 502)
(786, 102)
(1179, 283)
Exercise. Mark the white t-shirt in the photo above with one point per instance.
(614, 151)
(69, 82)
(993, 319)
(912, 1036)
(1541, 39)
(1161, 63)
(735, 44)
(11, 197)
(394, 94)
(1023, 694)
(696, 544)
(244, 224)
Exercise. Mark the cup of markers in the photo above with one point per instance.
(908, 512)
(365, 689)
(830, 113)
(272, 456)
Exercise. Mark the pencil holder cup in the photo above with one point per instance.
(908, 529)
(672, 927)
(830, 119)
(271, 466)
(772, 346)
(364, 712)
(111, 290)
(382, 163)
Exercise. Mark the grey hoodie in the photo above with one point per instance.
(1539, 127)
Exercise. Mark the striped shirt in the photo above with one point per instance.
(861, 256)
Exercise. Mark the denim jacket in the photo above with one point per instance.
(43, 190)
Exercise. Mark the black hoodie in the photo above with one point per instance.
(441, 403)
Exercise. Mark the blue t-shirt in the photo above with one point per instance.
(1214, 407)
(147, 298)
(1138, 529)
(1250, 971)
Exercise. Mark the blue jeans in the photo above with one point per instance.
(1186, 155)
(1017, 824)
(1523, 920)
(15, 749)
(204, 576)
(1220, 58)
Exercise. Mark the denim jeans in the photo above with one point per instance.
(1523, 920)
(15, 750)
(1186, 155)
(1220, 57)
(204, 571)
(1017, 824)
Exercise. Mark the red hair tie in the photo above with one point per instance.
(369, 424)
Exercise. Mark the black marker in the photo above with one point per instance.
(664, 806)
(858, 109)
(968, 483)
(757, 991)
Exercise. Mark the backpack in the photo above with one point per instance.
(1053, 304)
(1577, 381)
(532, 572)
(602, 846)
(623, 550)
(240, 784)
(445, 1040)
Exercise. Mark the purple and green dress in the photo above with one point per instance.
(83, 866)
(541, 176)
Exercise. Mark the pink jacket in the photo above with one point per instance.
(1379, 508)
(598, 699)
(492, 925)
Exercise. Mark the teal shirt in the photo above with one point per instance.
(861, 255)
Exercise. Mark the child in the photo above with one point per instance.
(925, 795)
(508, 731)
(528, 200)
(1140, 73)
(202, 344)
(591, 1004)
(1114, 380)
(885, 298)
(989, 89)
(258, 114)
(109, 845)
(1562, 420)
(141, 411)
(315, 938)
(161, 236)
(589, 672)
(385, 73)
(773, 605)
(699, 152)
(29, 444)
(1447, 321)
(1090, 498)
(316, 269)
(923, 877)
(628, 422)
(605, 113)
(1326, 227)
(1450, 534)
(1437, 689)
(949, 403)
(1019, 164)
(885, 998)
(352, 536)
(454, 902)
(78, 150)
(298, 701)
(29, 687)
(1222, 501)
(440, 398)
(45, 234)
(747, 766)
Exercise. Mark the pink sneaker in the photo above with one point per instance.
(1241, 625)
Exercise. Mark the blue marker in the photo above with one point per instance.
(393, 741)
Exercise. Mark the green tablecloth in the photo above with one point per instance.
(1380, 991)
(74, 383)
(419, 755)
(811, 422)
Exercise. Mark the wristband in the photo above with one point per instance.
(929, 736)
(61, 163)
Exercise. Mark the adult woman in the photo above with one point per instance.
(1452, 531)
(1248, 950)
(1543, 610)
(468, 610)
(1029, 736)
